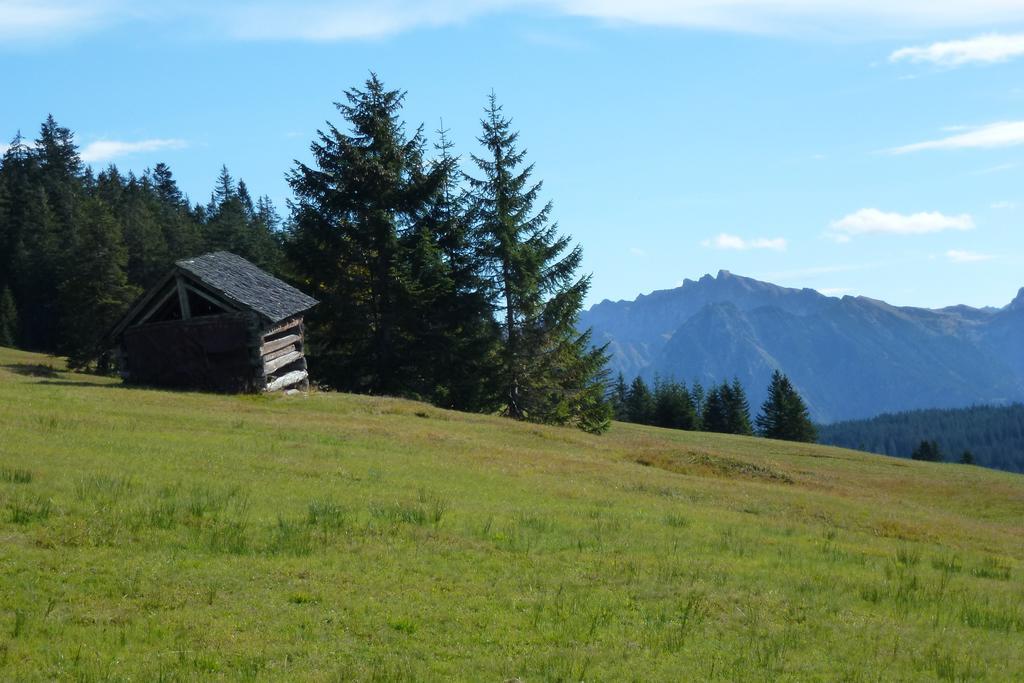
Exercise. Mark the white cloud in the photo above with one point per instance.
(323, 20)
(1004, 205)
(105, 150)
(637, 251)
(960, 256)
(1001, 134)
(835, 291)
(873, 221)
(863, 17)
(726, 241)
(27, 19)
(986, 49)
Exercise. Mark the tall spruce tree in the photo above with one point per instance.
(182, 232)
(784, 414)
(96, 290)
(619, 396)
(226, 219)
(739, 410)
(457, 337)
(699, 396)
(640, 402)
(726, 409)
(351, 210)
(673, 406)
(50, 185)
(139, 215)
(549, 371)
(716, 410)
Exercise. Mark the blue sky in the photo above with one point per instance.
(867, 148)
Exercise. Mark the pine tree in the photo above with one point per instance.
(265, 226)
(60, 168)
(640, 403)
(738, 409)
(227, 223)
(928, 451)
(618, 398)
(673, 406)
(784, 414)
(457, 337)
(57, 185)
(8, 318)
(96, 290)
(351, 210)
(139, 215)
(549, 371)
(967, 458)
(716, 410)
(699, 396)
(182, 232)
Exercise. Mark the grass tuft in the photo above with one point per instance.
(15, 475)
(327, 515)
(992, 568)
(24, 509)
(290, 538)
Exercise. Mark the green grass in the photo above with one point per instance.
(148, 535)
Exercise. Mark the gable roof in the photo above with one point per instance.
(238, 282)
(242, 283)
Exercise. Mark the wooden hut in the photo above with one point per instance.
(215, 322)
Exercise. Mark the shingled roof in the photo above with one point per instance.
(241, 282)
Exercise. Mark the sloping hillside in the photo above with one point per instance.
(150, 535)
(886, 358)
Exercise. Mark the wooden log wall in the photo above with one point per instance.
(282, 357)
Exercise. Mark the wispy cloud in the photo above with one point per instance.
(1001, 134)
(1004, 204)
(987, 49)
(873, 221)
(637, 251)
(961, 256)
(998, 168)
(735, 242)
(105, 150)
(320, 20)
(862, 17)
(23, 20)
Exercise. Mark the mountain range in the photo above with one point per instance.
(850, 357)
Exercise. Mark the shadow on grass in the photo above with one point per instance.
(84, 383)
(132, 387)
(32, 369)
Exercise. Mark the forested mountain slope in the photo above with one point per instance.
(992, 435)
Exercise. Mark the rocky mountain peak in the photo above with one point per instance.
(1018, 303)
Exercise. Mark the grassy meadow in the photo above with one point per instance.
(161, 536)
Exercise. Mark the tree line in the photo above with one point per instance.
(76, 246)
(721, 408)
(992, 436)
(438, 282)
